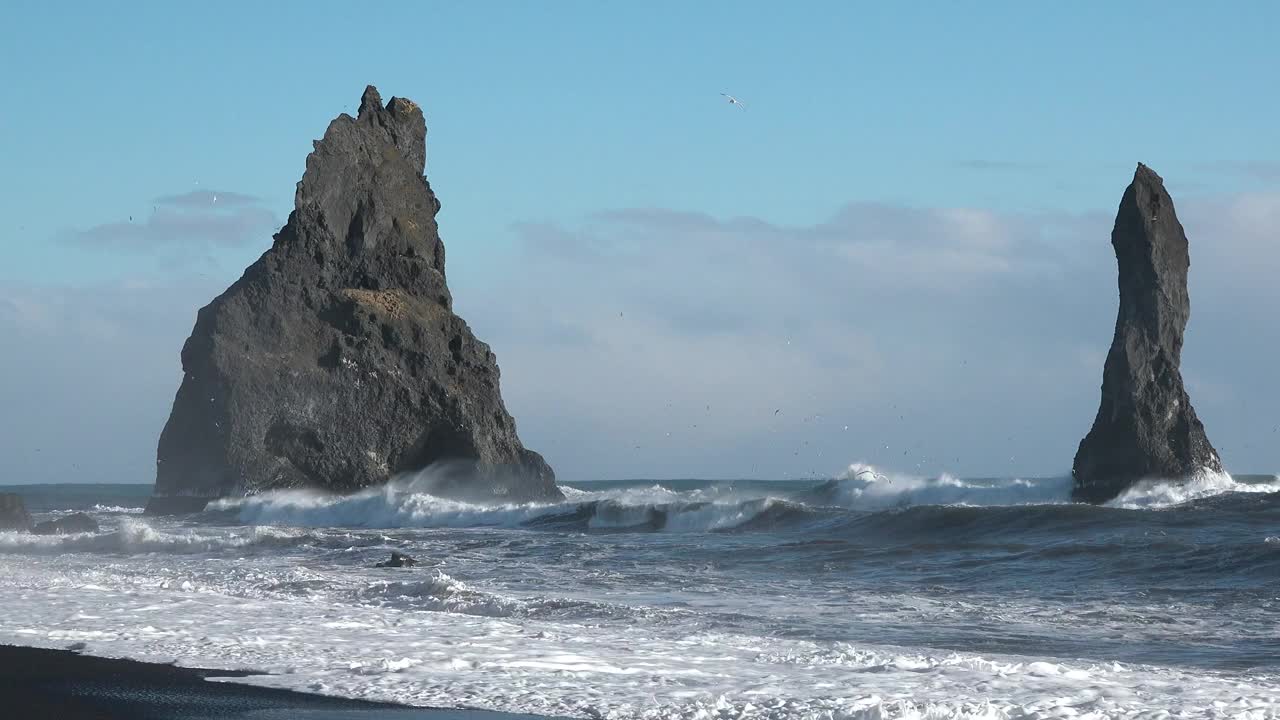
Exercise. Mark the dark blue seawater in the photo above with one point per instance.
(80, 496)
(822, 592)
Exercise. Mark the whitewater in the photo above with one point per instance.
(872, 595)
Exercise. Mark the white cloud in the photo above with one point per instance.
(960, 337)
(1255, 170)
(185, 226)
(955, 339)
(206, 199)
(88, 375)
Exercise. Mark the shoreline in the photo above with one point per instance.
(36, 682)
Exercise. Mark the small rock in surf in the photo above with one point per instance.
(397, 560)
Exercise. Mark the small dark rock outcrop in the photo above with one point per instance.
(13, 513)
(397, 560)
(336, 361)
(1146, 427)
(75, 523)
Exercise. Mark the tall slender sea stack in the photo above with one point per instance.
(1146, 427)
(336, 360)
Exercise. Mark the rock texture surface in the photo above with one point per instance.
(1146, 427)
(13, 513)
(397, 560)
(336, 361)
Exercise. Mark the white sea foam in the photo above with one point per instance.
(486, 622)
(396, 506)
(716, 507)
(442, 593)
(99, 509)
(138, 537)
(353, 637)
(116, 509)
(1155, 494)
(391, 506)
(864, 487)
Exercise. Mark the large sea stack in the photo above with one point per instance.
(1146, 427)
(336, 361)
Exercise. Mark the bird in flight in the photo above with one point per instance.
(874, 475)
(734, 101)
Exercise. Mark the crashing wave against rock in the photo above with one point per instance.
(336, 361)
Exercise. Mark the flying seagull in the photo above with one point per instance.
(734, 101)
(874, 475)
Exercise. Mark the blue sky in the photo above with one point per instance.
(546, 120)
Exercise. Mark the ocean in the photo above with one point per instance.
(873, 596)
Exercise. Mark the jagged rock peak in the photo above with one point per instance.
(378, 137)
(370, 101)
(1145, 426)
(336, 360)
(1143, 174)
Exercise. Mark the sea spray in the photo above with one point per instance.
(1156, 493)
(877, 595)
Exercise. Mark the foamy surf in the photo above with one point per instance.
(865, 487)
(1157, 494)
(466, 651)
(132, 536)
(396, 506)
(716, 507)
(388, 507)
(441, 593)
(876, 595)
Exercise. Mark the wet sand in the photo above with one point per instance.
(64, 685)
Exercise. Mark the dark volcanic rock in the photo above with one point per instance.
(336, 360)
(1146, 427)
(76, 523)
(13, 513)
(397, 560)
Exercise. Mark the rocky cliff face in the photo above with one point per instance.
(336, 361)
(1146, 427)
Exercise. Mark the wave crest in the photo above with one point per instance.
(864, 487)
(650, 508)
(1156, 494)
(385, 507)
(716, 507)
(135, 537)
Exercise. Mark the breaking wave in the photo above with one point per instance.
(871, 595)
(387, 507)
(862, 499)
(1155, 494)
(113, 509)
(135, 537)
(864, 487)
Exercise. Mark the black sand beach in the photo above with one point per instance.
(39, 683)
